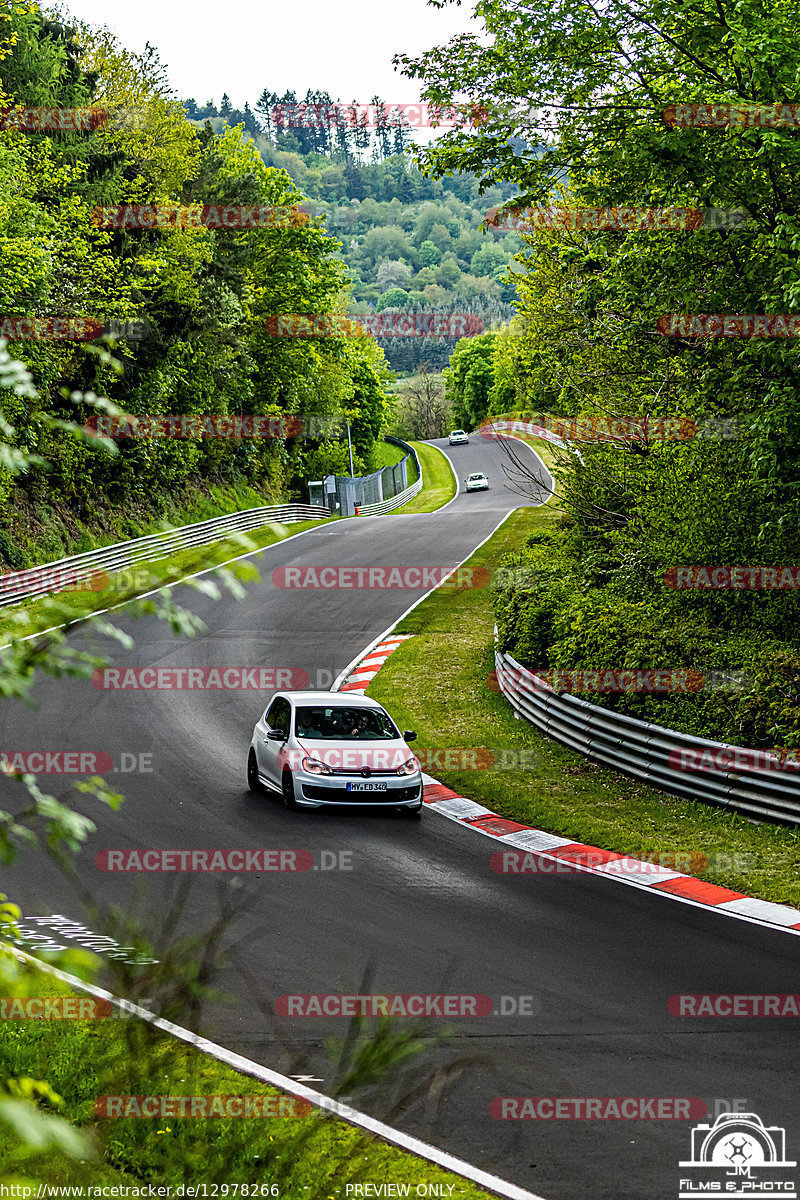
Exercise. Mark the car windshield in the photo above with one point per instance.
(476, 477)
(321, 723)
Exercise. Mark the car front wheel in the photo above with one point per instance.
(254, 784)
(287, 791)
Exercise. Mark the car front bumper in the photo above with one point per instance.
(318, 791)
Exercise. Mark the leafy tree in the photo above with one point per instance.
(469, 378)
(589, 307)
(422, 411)
(448, 273)
(429, 254)
(434, 294)
(392, 298)
(486, 260)
(393, 273)
(440, 236)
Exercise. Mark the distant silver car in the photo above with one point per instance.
(333, 748)
(459, 437)
(476, 482)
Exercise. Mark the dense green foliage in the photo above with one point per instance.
(408, 241)
(585, 341)
(204, 293)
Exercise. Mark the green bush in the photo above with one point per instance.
(549, 617)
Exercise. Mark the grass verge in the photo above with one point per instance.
(386, 454)
(438, 487)
(313, 1156)
(436, 683)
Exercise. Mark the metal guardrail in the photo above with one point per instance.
(652, 753)
(80, 570)
(384, 506)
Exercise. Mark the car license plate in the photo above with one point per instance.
(366, 787)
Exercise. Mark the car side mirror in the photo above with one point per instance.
(276, 735)
(409, 735)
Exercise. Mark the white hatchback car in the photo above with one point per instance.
(459, 437)
(333, 748)
(476, 482)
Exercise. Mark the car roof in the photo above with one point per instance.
(331, 699)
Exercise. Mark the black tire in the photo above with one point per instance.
(287, 791)
(254, 784)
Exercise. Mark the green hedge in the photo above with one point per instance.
(551, 614)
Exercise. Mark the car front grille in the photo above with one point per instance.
(314, 791)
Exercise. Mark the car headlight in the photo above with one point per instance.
(315, 767)
(409, 767)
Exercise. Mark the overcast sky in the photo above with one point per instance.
(243, 46)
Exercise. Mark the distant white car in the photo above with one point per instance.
(476, 482)
(458, 437)
(330, 748)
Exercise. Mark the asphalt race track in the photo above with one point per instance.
(421, 904)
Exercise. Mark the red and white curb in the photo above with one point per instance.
(619, 867)
(635, 872)
(363, 674)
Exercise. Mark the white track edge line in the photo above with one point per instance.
(343, 675)
(643, 887)
(455, 477)
(352, 1116)
(184, 578)
(247, 1066)
(207, 570)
